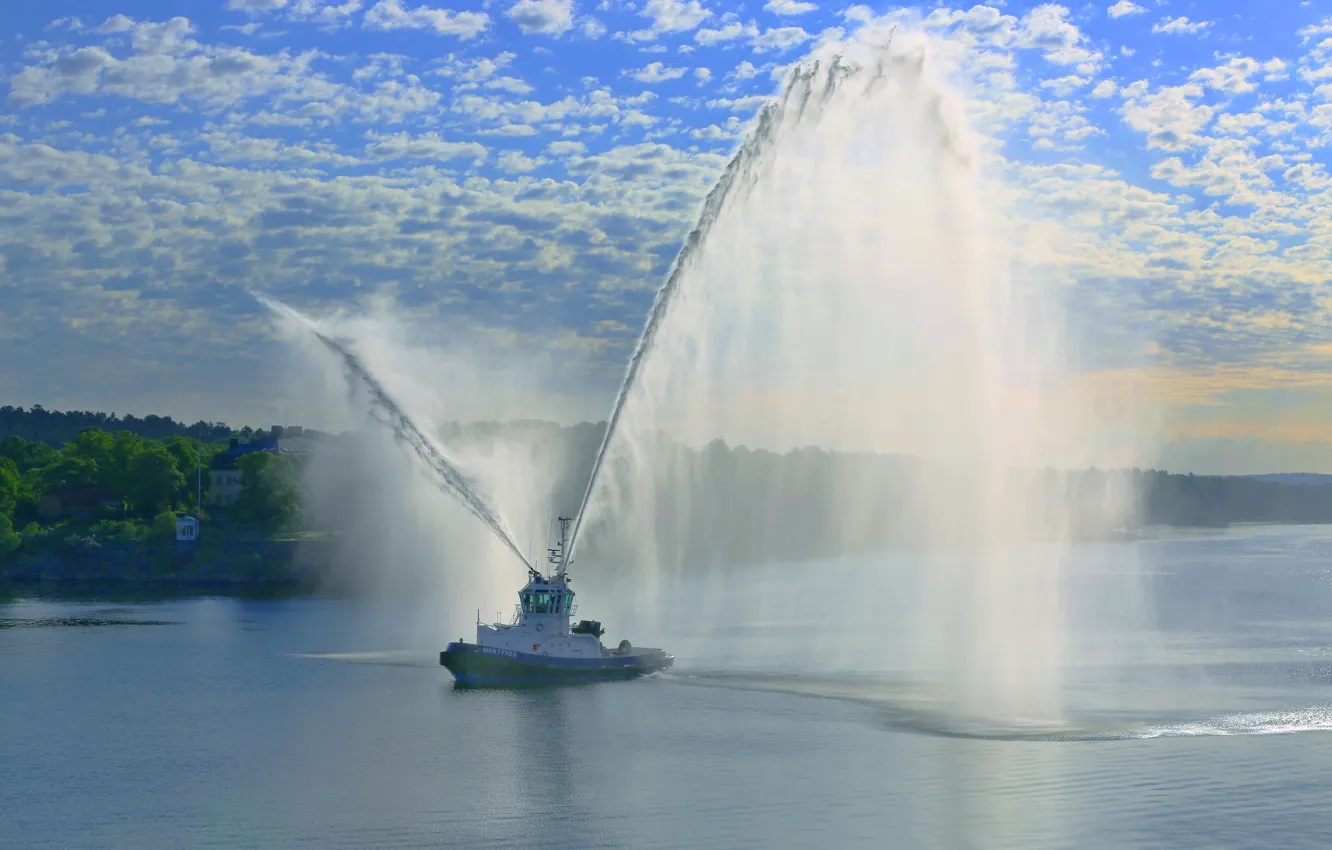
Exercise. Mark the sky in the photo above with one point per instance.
(525, 171)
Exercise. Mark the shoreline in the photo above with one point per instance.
(226, 564)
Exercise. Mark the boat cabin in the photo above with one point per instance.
(540, 623)
(546, 597)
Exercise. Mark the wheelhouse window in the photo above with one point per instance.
(545, 602)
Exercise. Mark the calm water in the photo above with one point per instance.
(225, 723)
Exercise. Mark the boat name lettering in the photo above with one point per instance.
(490, 650)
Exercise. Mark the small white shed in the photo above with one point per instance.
(187, 528)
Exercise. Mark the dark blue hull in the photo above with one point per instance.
(481, 665)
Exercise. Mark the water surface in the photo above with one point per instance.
(216, 722)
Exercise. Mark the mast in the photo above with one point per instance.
(563, 564)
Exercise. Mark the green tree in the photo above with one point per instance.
(92, 444)
(27, 455)
(187, 461)
(152, 481)
(68, 471)
(270, 494)
(125, 447)
(9, 539)
(11, 487)
(163, 526)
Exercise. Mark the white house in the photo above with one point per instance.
(225, 476)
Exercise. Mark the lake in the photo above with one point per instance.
(218, 722)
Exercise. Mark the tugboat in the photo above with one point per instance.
(539, 646)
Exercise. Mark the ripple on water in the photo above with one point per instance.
(77, 622)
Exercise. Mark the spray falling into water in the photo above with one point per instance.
(448, 477)
(849, 286)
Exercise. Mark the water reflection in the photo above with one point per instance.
(990, 794)
(531, 774)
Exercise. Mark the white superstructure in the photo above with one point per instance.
(541, 619)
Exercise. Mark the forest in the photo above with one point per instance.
(124, 486)
(714, 503)
(56, 428)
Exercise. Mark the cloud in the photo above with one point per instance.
(1064, 86)
(1180, 26)
(789, 7)
(744, 71)
(389, 15)
(1105, 88)
(750, 103)
(513, 187)
(1232, 77)
(517, 162)
(69, 22)
(1048, 29)
(117, 23)
(470, 72)
(566, 148)
(513, 85)
(327, 12)
(547, 17)
(1124, 8)
(1171, 117)
(779, 39)
(1312, 31)
(674, 15)
(427, 146)
(730, 32)
(656, 72)
(256, 5)
(167, 66)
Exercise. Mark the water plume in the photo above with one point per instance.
(449, 478)
(744, 169)
(854, 283)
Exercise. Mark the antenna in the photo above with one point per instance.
(564, 546)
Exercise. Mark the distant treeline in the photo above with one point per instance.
(55, 427)
(734, 504)
(730, 504)
(739, 474)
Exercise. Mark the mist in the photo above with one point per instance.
(857, 285)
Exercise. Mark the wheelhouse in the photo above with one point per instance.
(548, 599)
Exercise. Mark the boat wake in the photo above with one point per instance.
(904, 706)
(1317, 718)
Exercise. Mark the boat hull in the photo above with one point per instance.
(471, 664)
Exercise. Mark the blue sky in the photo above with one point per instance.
(532, 166)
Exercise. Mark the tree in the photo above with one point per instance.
(69, 471)
(271, 492)
(9, 540)
(126, 446)
(187, 461)
(92, 444)
(27, 455)
(152, 481)
(11, 487)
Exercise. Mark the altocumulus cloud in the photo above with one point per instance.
(502, 166)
